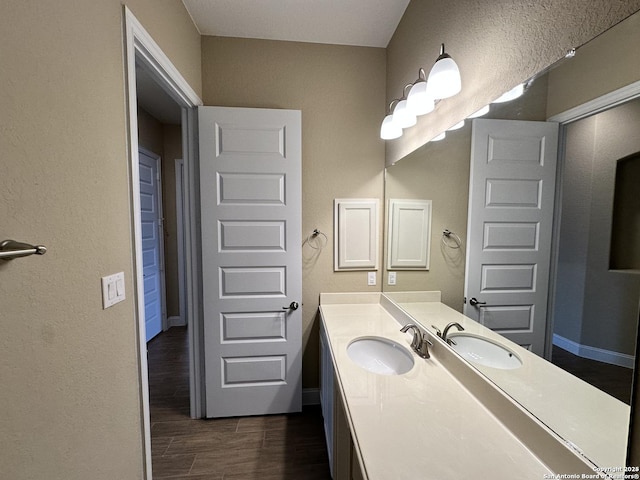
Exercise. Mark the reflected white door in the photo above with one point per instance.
(250, 182)
(152, 242)
(511, 198)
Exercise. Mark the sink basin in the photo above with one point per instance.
(380, 355)
(484, 352)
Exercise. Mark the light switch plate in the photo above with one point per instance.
(371, 278)
(392, 278)
(112, 289)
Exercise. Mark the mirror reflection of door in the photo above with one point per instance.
(511, 202)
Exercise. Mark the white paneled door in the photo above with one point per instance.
(152, 242)
(511, 204)
(250, 182)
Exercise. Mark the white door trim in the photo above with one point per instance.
(597, 105)
(180, 205)
(592, 107)
(138, 43)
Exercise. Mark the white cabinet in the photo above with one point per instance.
(326, 392)
(343, 461)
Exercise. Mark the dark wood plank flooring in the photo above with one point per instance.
(614, 380)
(272, 447)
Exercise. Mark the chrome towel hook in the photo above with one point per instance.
(10, 249)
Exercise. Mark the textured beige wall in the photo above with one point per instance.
(496, 44)
(574, 232)
(610, 295)
(70, 388)
(340, 91)
(172, 150)
(149, 132)
(599, 67)
(438, 172)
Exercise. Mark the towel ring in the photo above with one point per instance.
(450, 239)
(314, 235)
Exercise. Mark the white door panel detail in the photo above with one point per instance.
(251, 188)
(259, 326)
(265, 141)
(510, 236)
(252, 282)
(250, 202)
(516, 193)
(509, 151)
(511, 199)
(248, 235)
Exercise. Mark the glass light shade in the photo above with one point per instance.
(456, 126)
(439, 137)
(402, 116)
(483, 111)
(511, 94)
(418, 101)
(389, 130)
(444, 78)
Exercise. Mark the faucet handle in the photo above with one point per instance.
(438, 331)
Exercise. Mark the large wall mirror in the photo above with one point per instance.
(591, 307)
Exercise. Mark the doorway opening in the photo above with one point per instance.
(160, 80)
(594, 305)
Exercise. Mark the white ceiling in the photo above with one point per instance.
(369, 23)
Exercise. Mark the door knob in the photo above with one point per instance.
(292, 306)
(474, 301)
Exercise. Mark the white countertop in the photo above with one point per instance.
(420, 425)
(592, 420)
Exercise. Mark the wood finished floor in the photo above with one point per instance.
(614, 380)
(272, 447)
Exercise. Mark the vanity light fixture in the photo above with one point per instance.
(389, 130)
(402, 114)
(512, 94)
(418, 101)
(483, 111)
(444, 78)
(443, 82)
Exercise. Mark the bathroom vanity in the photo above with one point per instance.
(442, 418)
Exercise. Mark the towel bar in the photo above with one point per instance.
(10, 249)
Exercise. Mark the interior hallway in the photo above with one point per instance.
(273, 447)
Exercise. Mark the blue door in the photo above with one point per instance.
(152, 248)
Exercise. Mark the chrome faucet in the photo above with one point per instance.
(445, 332)
(420, 343)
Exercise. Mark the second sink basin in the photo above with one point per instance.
(380, 355)
(484, 352)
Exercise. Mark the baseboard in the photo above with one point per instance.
(310, 396)
(175, 322)
(594, 353)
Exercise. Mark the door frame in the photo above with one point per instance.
(180, 205)
(139, 45)
(587, 109)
